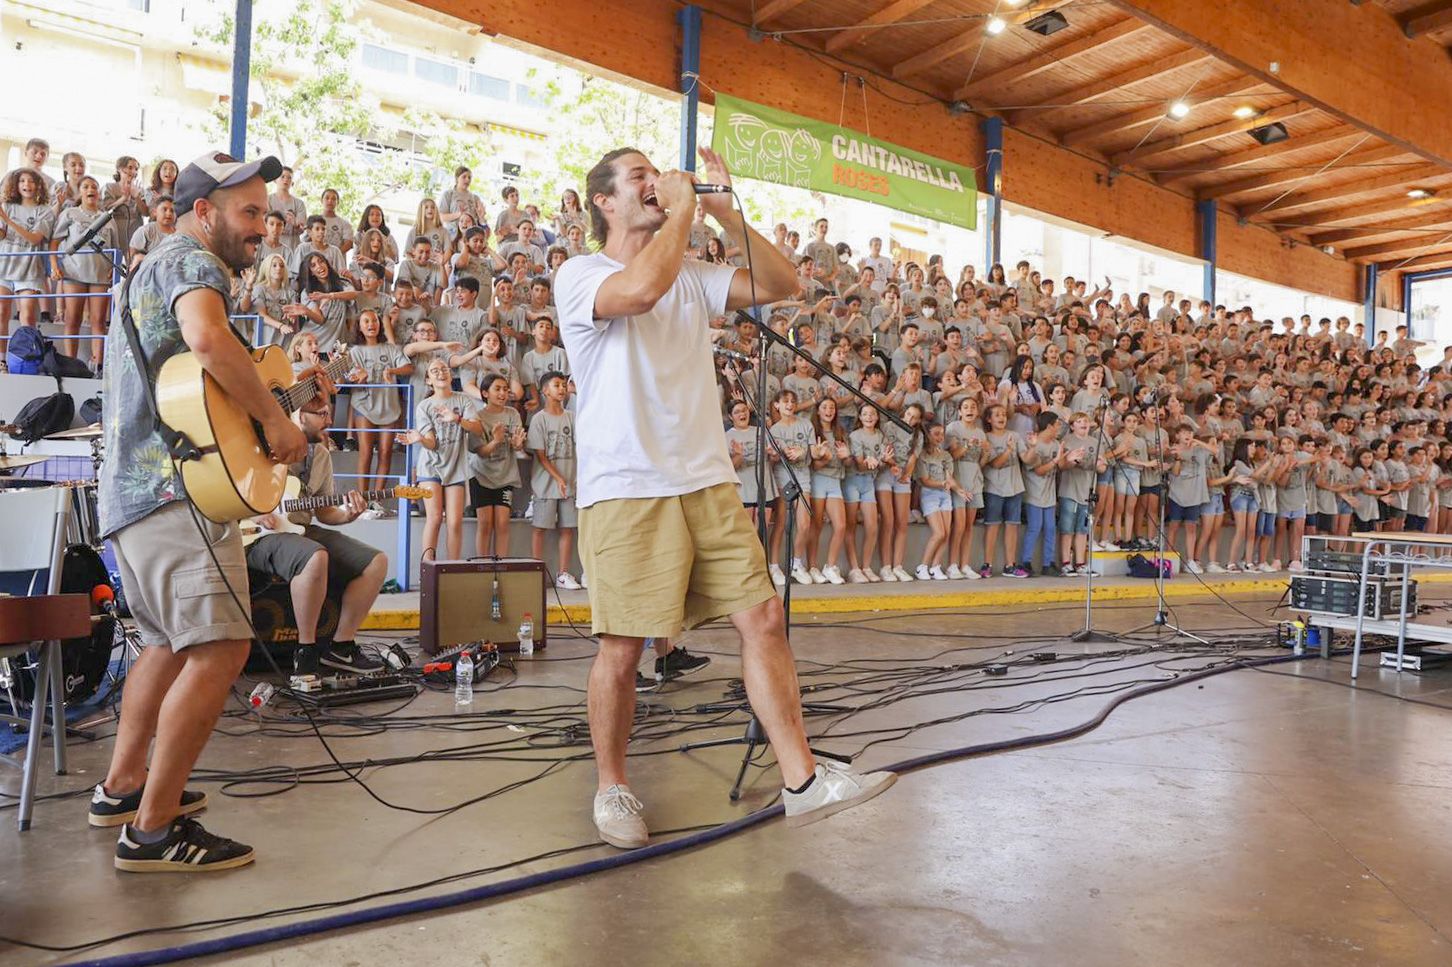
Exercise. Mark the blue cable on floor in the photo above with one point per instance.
(493, 891)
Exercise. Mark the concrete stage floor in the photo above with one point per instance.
(1250, 819)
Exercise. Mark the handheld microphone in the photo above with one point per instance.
(91, 234)
(103, 599)
(732, 355)
(712, 189)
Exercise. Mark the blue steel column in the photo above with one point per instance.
(1368, 313)
(1208, 225)
(993, 193)
(241, 68)
(689, 18)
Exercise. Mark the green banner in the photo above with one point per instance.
(762, 142)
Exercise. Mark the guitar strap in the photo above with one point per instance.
(178, 444)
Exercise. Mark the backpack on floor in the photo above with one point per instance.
(1142, 567)
(25, 351)
(44, 415)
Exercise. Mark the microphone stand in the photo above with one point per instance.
(1087, 635)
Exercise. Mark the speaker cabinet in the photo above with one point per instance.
(457, 602)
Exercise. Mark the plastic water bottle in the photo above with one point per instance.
(526, 636)
(464, 679)
(261, 695)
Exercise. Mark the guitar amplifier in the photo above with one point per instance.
(458, 600)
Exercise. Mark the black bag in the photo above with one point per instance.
(1142, 567)
(90, 411)
(59, 364)
(44, 415)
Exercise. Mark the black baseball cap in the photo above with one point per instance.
(217, 169)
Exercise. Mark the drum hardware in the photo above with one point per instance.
(91, 432)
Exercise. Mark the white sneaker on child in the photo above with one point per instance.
(817, 576)
(777, 578)
(833, 574)
(855, 576)
(922, 573)
(886, 573)
(955, 573)
(566, 582)
(901, 572)
(936, 573)
(801, 575)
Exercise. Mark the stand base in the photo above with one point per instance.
(1089, 636)
(1161, 624)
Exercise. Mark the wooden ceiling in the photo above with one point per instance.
(1103, 87)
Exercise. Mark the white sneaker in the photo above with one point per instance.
(833, 574)
(955, 573)
(1214, 568)
(584, 580)
(902, 575)
(855, 576)
(936, 573)
(566, 582)
(915, 517)
(886, 574)
(816, 575)
(971, 574)
(777, 578)
(1265, 568)
(1295, 566)
(922, 573)
(1193, 567)
(834, 788)
(871, 575)
(618, 818)
(801, 575)
(1276, 565)
(529, 510)
(1104, 546)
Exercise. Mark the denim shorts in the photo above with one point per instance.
(1213, 507)
(886, 481)
(1151, 490)
(1342, 507)
(936, 501)
(824, 487)
(1183, 515)
(1241, 503)
(1265, 524)
(1126, 481)
(858, 489)
(1105, 479)
(1073, 516)
(1002, 510)
(1292, 514)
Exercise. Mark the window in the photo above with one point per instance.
(528, 97)
(383, 59)
(436, 72)
(483, 85)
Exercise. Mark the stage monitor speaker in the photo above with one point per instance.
(458, 598)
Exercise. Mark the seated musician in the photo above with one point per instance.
(308, 560)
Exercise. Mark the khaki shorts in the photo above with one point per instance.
(659, 565)
(174, 590)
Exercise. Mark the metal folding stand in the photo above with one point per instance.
(1088, 635)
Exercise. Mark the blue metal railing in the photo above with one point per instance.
(111, 253)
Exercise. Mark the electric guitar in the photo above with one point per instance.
(252, 530)
(236, 476)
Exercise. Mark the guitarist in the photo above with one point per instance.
(185, 576)
(307, 561)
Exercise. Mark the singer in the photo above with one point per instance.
(663, 534)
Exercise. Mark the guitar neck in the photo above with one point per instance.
(336, 500)
(304, 391)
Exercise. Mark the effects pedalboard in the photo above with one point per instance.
(337, 690)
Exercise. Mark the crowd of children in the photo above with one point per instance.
(1060, 417)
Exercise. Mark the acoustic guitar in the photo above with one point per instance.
(236, 476)
(252, 530)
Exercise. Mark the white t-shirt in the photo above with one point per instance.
(648, 421)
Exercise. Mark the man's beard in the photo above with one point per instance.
(236, 251)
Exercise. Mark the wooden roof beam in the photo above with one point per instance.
(1140, 117)
(965, 40)
(1406, 246)
(775, 8)
(1259, 153)
(1275, 179)
(1441, 261)
(1366, 233)
(1310, 199)
(1053, 56)
(1093, 91)
(892, 13)
(1211, 132)
(1427, 20)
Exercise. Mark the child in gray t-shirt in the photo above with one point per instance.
(552, 482)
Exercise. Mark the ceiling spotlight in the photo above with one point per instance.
(1329, 249)
(1245, 112)
(1047, 23)
(996, 26)
(1014, 3)
(1420, 193)
(1179, 109)
(1270, 133)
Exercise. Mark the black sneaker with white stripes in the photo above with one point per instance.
(678, 662)
(108, 810)
(643, 684)
(187, 848)
(345, 656)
